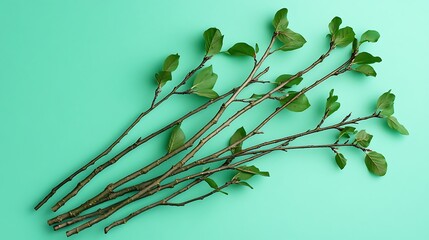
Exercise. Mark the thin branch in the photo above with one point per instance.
(157, 92)
(323, 119)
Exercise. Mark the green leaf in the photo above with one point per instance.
(299, 104)
(214, 185)
(393, 123)
(213, 41)
(280, 21)
(162, 77)
(385, 104)
(331, 103)
(365, 69)
(252, 170)
(363, 138)
(208, 93)
(171, 63)
(240, 176)
(204, 83)
(256, 48)
(256, 96)
(211, 183)
(291, 40)
(177, 139)
(341, 160)
(237, 136)
(242, 49)
(245, 184)
(344, 37)
(346, 132)
(205, 79)
(285, 77)
(366, 58)
(333, 108)
(369, 36)
(376, 163)
(334, 25)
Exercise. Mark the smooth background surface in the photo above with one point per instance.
(73, 74)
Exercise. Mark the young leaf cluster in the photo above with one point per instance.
(170, 65)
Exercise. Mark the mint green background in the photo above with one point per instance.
(73, 74)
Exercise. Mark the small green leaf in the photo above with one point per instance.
(341, 160)
(334, 25)
(256, 96)
(240, 176)
(242, 183)
(204, 83)
(333, 108)
(205, 79)
(214, 185)
(171, 63)
(363, 138)
(286, 77)
(393, 123)
(385, 104)
(211, 183)
(376, 163)
(369, 36)
(208, 93)
(242, 49)
(366, 58)
(162, 77)
(365, 69)
(343, 37)
(213, 41)
(237, 136)
(280, 21)
(177, 139)
(331, 103)
(299, 104)
(291, 40)
(253, 170)
(256, 48)
(346, 132)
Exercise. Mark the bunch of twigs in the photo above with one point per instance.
(233, 157)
